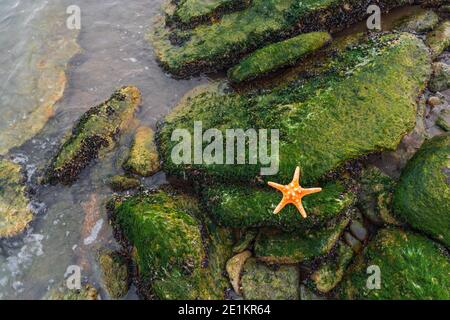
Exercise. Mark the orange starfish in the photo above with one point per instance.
(293, 193)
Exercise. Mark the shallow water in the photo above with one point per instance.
(71, 223)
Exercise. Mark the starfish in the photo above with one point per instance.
(293, 193)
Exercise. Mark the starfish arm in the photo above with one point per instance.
(277, 186)
(296, 179)
(311, 191)
(300, 208)
(280, 206)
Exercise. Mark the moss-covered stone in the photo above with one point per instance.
(441, 77)
(143, 159)
(15, 214)
(222, 43)
(328, 275)
(439, 39)
(375, 196)
(282, 248)
(412, 267)
(443, 121)
(363, 102)
(424, 20)
(245, 240)
(422, 197)
(87, 292)
(97, 130)
(124, 183)
(277, 55)
(114, 269)
(243, 207)
(174, 259)
(261, 282)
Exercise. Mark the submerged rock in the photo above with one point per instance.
(262, 282)
(323, 121)
(439, 39)
(422, 21)
(96, 131)
(441, 77)
(282, 248)
(243, 207)
(328, 275)
(15, 214)
(124, 183)
(422, 197)
(143, 159)
(220, 44)
(114, 270)
(277, 55)
(175, 260)
(411, 266)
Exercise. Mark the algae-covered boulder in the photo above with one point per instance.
(172, 258)
(221, 43)
(124, 183)
(114, 270)
(424, 20)
(87, 292)
(375, 196)
(277, 55)
(363, 102)
(411, 266)
(443, 120)
(262, 282)
(331, 272)
(282, 248)
(97, 130)
(439, 39)
(441, 77)
(242, 207)
(143, 159)
(15, 214)
(422, 197)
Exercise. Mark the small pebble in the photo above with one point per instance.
(358, 230)
(434, 101)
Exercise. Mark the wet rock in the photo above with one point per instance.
(87, 292)
(124, 183)
(170, 250)
(422, 21)
(316, 130)
(243, 207)
(261, 282)
(114, 270)
(234, 268)
(439, 39)
(434, 101)
(15, 214)
(281, 248)
(411, 266)
(375, 196)
(354, 243)
(307, 294)
(422, 197)
(220, 44)
(358, 230)
(245, 241)
(441, 77)
(443, 120)
(95, 132)
(328, 275)
(144, 158)
(277, 55)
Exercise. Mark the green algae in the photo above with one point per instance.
(15, 214)
(422, 197)
(173, 259)
(124, 183)
(412, 267)
(97, 130)
(114, 270)
(261, 282)
(443, 121)
(242, 207)
(363, 102)
(143, 159)
(439, 39)
(286, 248)
(87, 292)
(277, 55)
